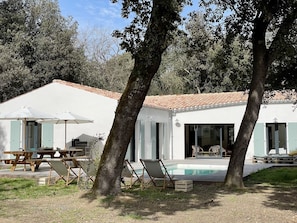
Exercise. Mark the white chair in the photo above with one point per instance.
(196, 150)
(215, 150)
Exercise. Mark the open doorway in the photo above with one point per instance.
(276, 138)
(207, 135)
(33, 134)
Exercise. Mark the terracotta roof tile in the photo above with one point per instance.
(176, 102)
(181, 102)
(109, 94)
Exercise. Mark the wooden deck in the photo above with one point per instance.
(275, 159)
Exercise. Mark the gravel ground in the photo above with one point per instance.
(206, 203)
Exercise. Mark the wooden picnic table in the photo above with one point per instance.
(21, 157)
(44, 152)
(69, 152)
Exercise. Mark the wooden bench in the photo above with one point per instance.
(7, 161)
(282, 159)
(263, 159)
(274, 159)
(34, 163)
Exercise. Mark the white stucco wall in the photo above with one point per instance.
(279, 113)
(282, 113)
(222, 115)
(55, 98)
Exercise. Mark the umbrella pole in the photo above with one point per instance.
(24, 138)
(65, 132)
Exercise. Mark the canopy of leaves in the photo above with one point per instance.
(239, 17)
(198, 61)
(132, 37)
(42, 41)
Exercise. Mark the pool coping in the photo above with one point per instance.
(219, 176)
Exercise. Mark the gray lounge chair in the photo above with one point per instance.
(89, 167)
(129, 172)
(156, 170)
(64, 171)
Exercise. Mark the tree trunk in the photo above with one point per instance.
(234, 177)
(147, 61)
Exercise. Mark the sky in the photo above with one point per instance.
(93, 13)
(97, 13)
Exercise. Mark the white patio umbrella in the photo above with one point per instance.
(68, 118)
(25, 114)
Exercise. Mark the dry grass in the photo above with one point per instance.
(206, 203)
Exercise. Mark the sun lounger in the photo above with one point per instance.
(156, 170)
(89, 167)
(64, 171)
(129, 172)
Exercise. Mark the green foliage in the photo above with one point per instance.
(198, 62)
(277, 176)
(20, 188)
(55, 55)
(267, 24)
(132, 38)
(239, 18)
(116, 73)
(283, 73)
(216, 63)
(147, 54)
(200, 59)
(12, 19)
(42, 41)
(15, 76)
(206, 58)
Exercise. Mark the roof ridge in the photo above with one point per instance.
(178, 102)
(107, 93)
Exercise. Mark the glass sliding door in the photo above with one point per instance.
(208, 135)
(33, 135)
(276, 138)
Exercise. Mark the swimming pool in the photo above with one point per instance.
(194, 169)
(191, 169)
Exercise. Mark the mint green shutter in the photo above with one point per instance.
(47, 135)
(15, 135)
(142, 140)
(259, 137)
(292, 137)
(154, 139)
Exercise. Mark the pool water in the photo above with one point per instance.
(194, 169)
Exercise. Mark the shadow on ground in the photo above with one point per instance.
(145, 204)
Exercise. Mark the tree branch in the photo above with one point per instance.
(278, 42)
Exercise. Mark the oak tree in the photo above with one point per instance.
(269, 24)
(146, 39)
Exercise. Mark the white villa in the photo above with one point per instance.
(166, 128)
